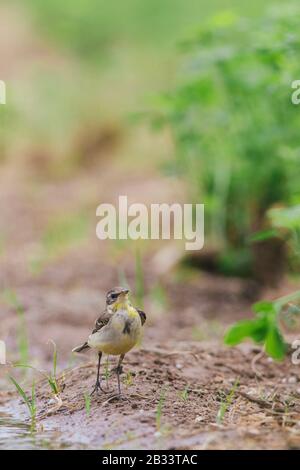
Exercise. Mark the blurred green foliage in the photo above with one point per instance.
(265, 327)
(62, 234)
(262, 329)
(10, 297)
(234, 126)
(286, 222)
(93, 28)
(90, 64)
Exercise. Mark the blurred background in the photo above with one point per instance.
(161, 100)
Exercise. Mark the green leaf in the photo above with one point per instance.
(263, 235)
(256, 329)
(22, 394)
(275, 345)
(266, 307)
(33, 399)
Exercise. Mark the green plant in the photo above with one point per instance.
(87, 403)
(233, 125)
(264, 328)
(50, 377)
(29, 401)
(134, 23)
(184, 395)
(11, 298)
(285, 221)
(226, 403)
(52, 380)
(159, 408)
(128, 379)
(62, 233)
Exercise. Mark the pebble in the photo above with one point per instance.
(199, 419)
(253, 432)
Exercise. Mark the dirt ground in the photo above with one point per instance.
(183, 389)
(190, 385)
(175, 399)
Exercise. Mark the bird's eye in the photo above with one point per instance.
(114, 296)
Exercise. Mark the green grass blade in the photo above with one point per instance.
(22, 394)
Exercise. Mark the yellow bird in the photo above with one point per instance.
(116, 331)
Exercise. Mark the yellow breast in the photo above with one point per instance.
(121, 347)
(117, 337)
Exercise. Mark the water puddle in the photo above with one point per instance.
(17, 434)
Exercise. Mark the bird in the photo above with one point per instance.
(116, 331)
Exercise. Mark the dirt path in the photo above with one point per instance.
(180, 382)
(192, 398)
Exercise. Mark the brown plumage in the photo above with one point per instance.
(100, 323)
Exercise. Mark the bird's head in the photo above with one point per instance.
(117, 295)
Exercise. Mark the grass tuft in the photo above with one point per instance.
(184, 395)
(226, 402)
(159, 408)
(87, 403)
(11, 298)
(52, 380)
(29, 401)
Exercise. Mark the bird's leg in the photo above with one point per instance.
(98, 381)
(107, 372)
(119, 371)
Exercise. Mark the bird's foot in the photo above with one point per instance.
(117, 397)
(98, 388)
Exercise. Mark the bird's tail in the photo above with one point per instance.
(81, 348)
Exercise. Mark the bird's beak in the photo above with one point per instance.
(124, 294)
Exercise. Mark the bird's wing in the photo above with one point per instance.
(142, 315)
(102, 321)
